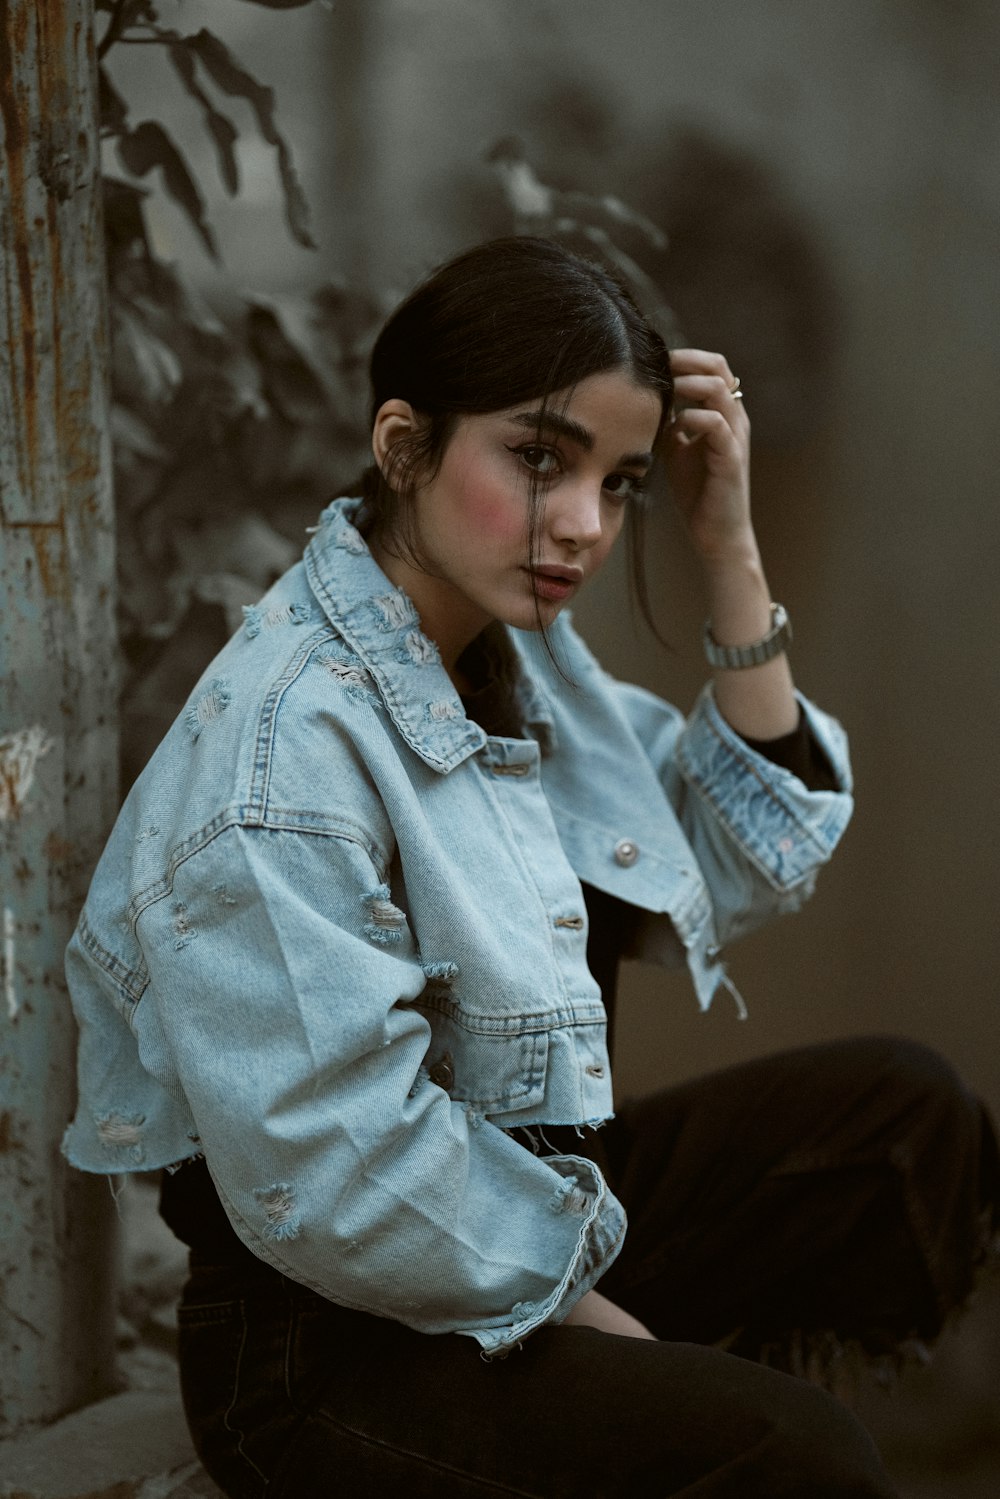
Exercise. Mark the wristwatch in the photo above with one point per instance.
(734, 657)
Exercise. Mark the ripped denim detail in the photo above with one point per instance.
(256, 619)
(184, 932)
(440, 979)
(418, 650)
(569, 1197)
(387, 922)
(844, 1364)
(441, 712)
(394, 611)
(349, 672)
(278, 1202)
(422, 1078)
(121, 1134)
(210, 705)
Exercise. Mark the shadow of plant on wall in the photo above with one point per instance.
(228, 433)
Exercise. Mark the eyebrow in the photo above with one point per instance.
(565, 426)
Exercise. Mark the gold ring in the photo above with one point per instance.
(734, 389)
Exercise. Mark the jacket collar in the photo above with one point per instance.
(381, 624)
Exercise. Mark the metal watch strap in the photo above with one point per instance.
(735, 657)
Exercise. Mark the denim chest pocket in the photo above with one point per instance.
(493, 1071)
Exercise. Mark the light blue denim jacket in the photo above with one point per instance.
(337, 943)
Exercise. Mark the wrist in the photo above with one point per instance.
(737, 555)
(738, 599)
(731, 657)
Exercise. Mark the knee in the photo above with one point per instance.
(824, 1451)
(917, 1075)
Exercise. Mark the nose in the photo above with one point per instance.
(574, 518)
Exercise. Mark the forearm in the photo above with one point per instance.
(758, 701)
(708, 462)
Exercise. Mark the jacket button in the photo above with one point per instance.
(626, 852)
(443, 1072)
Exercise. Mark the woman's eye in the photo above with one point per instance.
(544, 461)
(625, 486)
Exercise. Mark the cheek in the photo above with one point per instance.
(491, 508)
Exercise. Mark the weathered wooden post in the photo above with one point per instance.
(57, 696)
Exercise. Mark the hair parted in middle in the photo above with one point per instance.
(511, 320)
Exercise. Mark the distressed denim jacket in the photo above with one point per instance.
(337, 943)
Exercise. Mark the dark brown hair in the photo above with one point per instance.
(505, 322)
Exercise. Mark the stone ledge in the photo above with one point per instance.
(130, 1446)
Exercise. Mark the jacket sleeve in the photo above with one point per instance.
(758, 833)
(281, 981)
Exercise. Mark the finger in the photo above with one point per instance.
(707, 393)
(698, 422)
(700, 362)
(708, 390)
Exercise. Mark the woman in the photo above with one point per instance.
(345, 965)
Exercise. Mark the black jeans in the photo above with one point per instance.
(838, 1194)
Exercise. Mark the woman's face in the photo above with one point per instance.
(471, 521)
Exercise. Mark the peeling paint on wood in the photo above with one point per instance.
(20, 752)
(9, 963)
(58, 789)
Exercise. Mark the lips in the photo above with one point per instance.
(561, 573)
(555, 582)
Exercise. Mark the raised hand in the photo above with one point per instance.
(708, 454)
(708, 465)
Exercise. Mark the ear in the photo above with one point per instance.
(394, 420)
